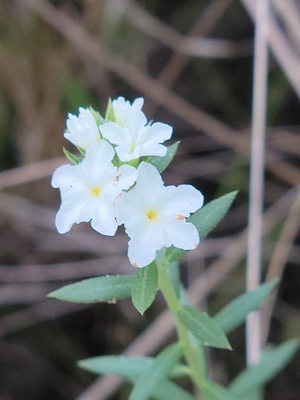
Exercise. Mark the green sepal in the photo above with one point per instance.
(93, 290)
(98, 117)
(161, 163)
(110, 113)
(72, 157)
(235, 313)
(144, 287)
(205, 220)
(81, 150)
(203, 327)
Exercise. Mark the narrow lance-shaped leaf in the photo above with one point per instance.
(203, 327)
(151, 378)
(168, 390)
(211, 214)
(128, 367)
(232, 315)
(205, 220)
(93, 290)
(144, 287)
(213, 391)
(256, 393)
(161, 163)
(272, 361)
(132, 367)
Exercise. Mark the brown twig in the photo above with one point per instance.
(281, 48)
(257, 173)
(187, 45)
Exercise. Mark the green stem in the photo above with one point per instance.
(191, 348)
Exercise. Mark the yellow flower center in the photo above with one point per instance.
(120, 121)
(96, 190)
(152, 215)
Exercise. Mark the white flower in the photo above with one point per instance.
(89, 190)
(122, 109)
(82, 130)
(155, 215)
(135, 140)
(133, 137)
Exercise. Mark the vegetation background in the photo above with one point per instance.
(192, 61)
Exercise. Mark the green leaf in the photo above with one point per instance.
(168, 390)
(256, 393)
(213, 391)
(232, 315)
(144, 287)
(93, 290)
(72, 157)
(205, 220)
(211, 214)
(272, 361)
(110, 113)
(132, 367)
(128, 367)
(161, 163)
(151, 378)
(202, 327)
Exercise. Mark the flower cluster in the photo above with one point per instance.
(115, 181)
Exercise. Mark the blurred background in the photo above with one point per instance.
(192, 61)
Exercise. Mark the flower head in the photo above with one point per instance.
(89, 190)
(131, 133)
(155, 215)
(82, 130)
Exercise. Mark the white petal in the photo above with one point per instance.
(126, 177)
(141, 250)
(70, 211)
(182, 200)
(126, 153)
(102, 150)
(138, 103)
(112, 132)
(61, 176)
(146, 193)
(97, 164)
(160, 132)
(127, 209)
(134, 121)
(68, 177)
(151, 148)
(103, 220)
(149, 180)
(183, 235)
